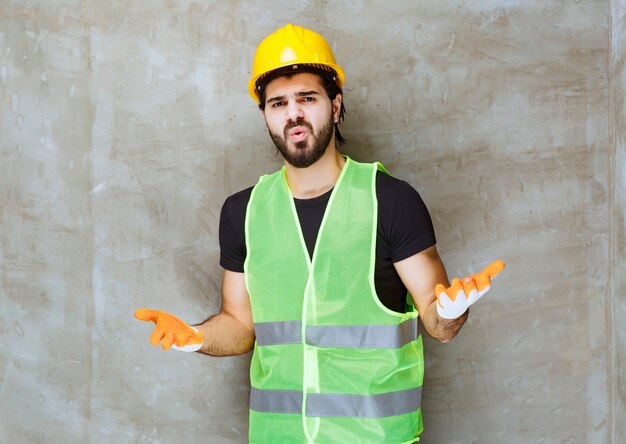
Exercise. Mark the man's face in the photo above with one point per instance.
(300, 117)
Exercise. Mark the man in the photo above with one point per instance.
(318, 259)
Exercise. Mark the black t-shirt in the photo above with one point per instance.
(404, 229)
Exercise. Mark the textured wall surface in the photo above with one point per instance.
(124, 125)
(617, 118)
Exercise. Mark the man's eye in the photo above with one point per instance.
(308, 99)
(277, 104)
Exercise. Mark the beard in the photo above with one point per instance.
(303, 155)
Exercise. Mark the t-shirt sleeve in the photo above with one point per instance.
(232, 231)
(407, 225)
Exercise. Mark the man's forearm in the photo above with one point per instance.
(439, 328)
(225, 336)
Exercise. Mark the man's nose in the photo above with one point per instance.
(294, 111)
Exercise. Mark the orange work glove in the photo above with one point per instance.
(171, 331)
(455, 300)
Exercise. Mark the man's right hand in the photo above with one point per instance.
(171, 331)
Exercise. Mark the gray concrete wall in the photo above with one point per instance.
(617, 168)
(124, 125)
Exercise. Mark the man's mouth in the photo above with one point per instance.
(298, 134)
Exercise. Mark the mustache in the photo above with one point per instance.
(291, 125)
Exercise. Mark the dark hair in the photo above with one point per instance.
(329, 83)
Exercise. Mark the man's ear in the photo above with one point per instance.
(337, 107)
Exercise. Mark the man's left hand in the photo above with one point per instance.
(453, 301)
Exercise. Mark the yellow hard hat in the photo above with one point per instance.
(292, 45)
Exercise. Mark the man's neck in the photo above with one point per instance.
(313, 181)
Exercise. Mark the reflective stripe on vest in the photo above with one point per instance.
(340, 336)
(335, 404)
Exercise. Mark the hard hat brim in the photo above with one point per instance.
(321, 68)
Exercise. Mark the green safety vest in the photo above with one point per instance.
(331, 364)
